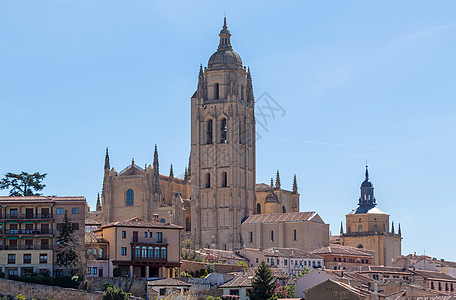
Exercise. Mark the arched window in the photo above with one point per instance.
(162, 220)
(163, 252)
(375, 228)
(251, 236)
(360, 228)
(224, 179)
(223, 130)
(360, 247)
(157, 252)
(258, 208)
(208, 180)
(209, 132)
(137, 251)
(284, 210)
(144, 251)
(272, 235)
(150, 252)
(242, 92)
(294, 235)
(216, 91)
(130, 198)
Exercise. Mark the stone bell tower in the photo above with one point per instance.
(222, 149)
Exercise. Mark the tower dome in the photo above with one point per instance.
(367, 192)
(224, 58)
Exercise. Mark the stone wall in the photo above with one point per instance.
(192, 266)
(38, 291)
(137, 286)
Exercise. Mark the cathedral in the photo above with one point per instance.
(218, 192)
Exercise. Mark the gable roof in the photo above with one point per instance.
(140, 223)
(238, 281)
(167, 282)
(433, 275)
(41, 198)
(285, 217)
(289, 252)
(343, 250)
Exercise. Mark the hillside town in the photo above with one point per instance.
(216, 233)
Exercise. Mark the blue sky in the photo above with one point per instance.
(357, 80)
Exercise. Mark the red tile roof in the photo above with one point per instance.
(343, 250)
(41, 198)
(286, 217)
(138, 222)
(289, 252)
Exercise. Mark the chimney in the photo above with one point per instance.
(155, 217)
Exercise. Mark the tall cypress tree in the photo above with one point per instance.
(262, 284)
(67, 256)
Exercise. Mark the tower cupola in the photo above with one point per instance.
(367, 192)
(224, 58)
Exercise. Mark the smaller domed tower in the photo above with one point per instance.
(368, 227)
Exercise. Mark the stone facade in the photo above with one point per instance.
(222, 149)
(143, 192)
(272, 199)
(368, 227)
(302, 230)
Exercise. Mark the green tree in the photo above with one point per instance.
(263, 283)
(67, 256)
(23, 184)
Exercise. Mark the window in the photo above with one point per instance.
(360, 228)
(251, 236)
(150, 234)
(27, 259)
(12, 273)
(216, 91)
(258, 208)
(294, 235)
(157, 252)
(43, 258)
(375, 228)
(124, 234)
(89, 270)
(209, 132)
(150, 252)
(130, 197)
(145, 234)
(272, 235)
(223, 130)
(94, 270)
(234, 292)
(75, 211)
(13, 212)
(224, 179)
(123, 251)
(286, 262)
(144, 251)
(11, 258)
(75, 226)
(163, 252)
(208, 180)
(432, 285)
(159, 237)
(242, 92)
(60, 211)
(162, 220)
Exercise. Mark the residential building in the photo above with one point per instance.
(302, 230)
(142, 248)
(333, 289)
(368, 227)
(29, 227)
(167, 288)
(384, 273)
(338, 257)
(435, 281)
(97, 255)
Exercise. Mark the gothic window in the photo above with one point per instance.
(272, 235)
(251, 236)
(284, 210)
(360, 228)
(258, 208)
(208, 180)
(223, 130)
(294, 235)
(130, 197)
(224, 179)
(209, 132)
(216, 91)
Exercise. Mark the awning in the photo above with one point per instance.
(11, 237)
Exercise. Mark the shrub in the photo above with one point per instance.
(210, 268)
(117, 272)
(113, 293)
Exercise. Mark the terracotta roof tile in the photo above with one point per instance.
(289, 252)
(285, 217)
(167, 282)
(138, 222)
(343, 250)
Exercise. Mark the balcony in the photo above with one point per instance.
(26, 247)
(26, 216)
(149, 252)
(26, 232)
